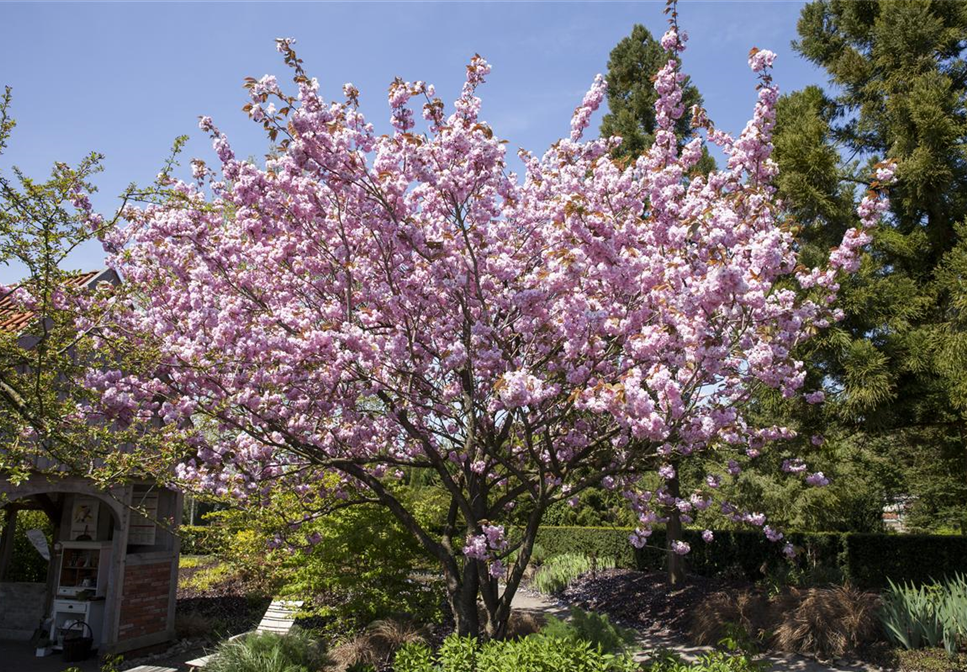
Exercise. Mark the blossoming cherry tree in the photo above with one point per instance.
(367, 306)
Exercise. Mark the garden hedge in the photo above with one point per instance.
(866, 560)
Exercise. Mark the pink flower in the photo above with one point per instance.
(760, 59)
(680, 547)
(816, 397)
(793, 466)
(707, 536)
(817, 480)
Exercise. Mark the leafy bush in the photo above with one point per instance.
(930, 615)
(199, 539)
(297, 651)
(536, 653)
(365, 558)
(26, 564)
(560, 570)
(348, 567)
(589, 627)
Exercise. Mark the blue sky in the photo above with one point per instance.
(126, 78)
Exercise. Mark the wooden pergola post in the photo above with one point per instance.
(6, 540)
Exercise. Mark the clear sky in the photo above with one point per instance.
(126, 78)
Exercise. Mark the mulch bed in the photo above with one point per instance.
(643, 600)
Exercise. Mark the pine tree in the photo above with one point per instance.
(896, 366)
(631, 96)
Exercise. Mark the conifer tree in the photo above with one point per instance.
(631, 97)
(895, 367)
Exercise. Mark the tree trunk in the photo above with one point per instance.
(462, 596)
(673, 532)
(480, 609)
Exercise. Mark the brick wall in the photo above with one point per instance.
(21, 605)
(144, 599)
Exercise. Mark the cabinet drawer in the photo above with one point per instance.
(68, 606)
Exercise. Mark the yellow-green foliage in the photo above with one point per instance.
(26, 564)
(206, 576)
(192, 561)
(360, 563)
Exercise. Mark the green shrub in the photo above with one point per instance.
(560, 570)
(366, 559)
(349, 564)
(413, 658)
(297, 651)
(199, 540)
(865, 560)
(927, 615)
(536, 653)
(590, 627)
(26, 564)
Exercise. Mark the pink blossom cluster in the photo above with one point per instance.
(488, 547)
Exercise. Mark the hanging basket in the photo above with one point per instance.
(77, 646)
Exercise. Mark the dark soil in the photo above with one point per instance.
(642, 600)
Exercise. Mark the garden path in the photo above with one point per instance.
(647, 642)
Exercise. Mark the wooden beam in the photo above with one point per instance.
(51, 508)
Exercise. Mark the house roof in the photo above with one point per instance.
(13, 320)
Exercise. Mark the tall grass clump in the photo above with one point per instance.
(297, 651)
(930, 615)
(559, 571)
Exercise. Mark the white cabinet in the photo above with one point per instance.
(67, 611)
(82, 577)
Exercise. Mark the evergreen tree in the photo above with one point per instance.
(896, 366)
(631, 96)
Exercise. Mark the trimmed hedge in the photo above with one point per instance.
(867, 560)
